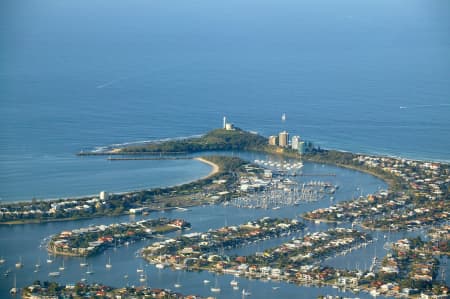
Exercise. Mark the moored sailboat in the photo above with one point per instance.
(19, 264)
(13, 290)
(54, 274)
(90, 271)
(83, 263)
(62, 268)
(215, 288)
(108, 264)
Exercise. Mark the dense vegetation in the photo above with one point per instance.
(218, 139)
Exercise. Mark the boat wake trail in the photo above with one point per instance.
(99, 149)
(109, 83)
(424, 106)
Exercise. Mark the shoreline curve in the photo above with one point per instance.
(215, 168)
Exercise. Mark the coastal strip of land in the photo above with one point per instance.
(206, 190)
(413, 185)
(48, 289)
(417, 198)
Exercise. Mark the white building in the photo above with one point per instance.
(226, 125)
(104, 195)
(295, 141)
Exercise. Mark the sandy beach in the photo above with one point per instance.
(215, 167)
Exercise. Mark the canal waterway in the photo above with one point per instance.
(27, 243)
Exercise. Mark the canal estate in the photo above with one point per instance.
(288, 249)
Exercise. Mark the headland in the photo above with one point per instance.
(411, 183)
(417, 198)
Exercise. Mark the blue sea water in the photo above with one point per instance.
(364, 76)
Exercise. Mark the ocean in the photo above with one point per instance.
(371, 77)
(362, 76)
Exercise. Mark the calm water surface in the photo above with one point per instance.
(370, 76)
(27, 241)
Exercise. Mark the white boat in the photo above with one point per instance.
(2, 260)
(236, 288)
(177, 285)
(19, 264)
(206, 281)
(216, 288)
(83, 263)
(139, 270)
(62, 268)
(13, 290)
(6, 274)
(38, 264)
(234, 282)
(245, 293)
(160, 265)
(90, 271)
(54, 274)
(108, 265)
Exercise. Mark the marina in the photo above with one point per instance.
(175, 270)
(124, 259)
(363, 85)
(283, 193)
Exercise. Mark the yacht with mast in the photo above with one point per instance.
(108, 264)
(216, 288)
(62, 268)
(83, 263)
(13, 290)
(19, 264)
